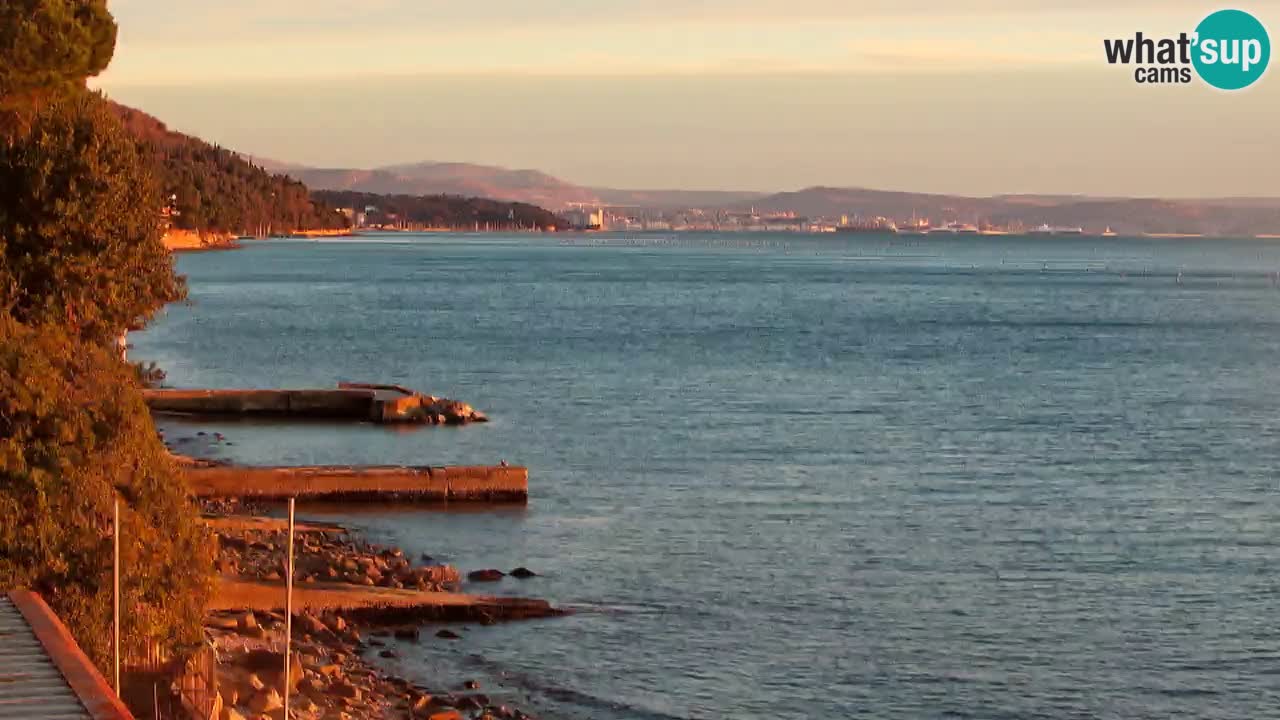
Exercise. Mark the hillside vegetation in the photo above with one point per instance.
(212, 189)
(442, 211)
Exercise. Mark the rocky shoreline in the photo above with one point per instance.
(334, 671)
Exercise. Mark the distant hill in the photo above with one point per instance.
(529, 186)
(1209, 216)
(1222, 216)
(440, 211)
(215, 190)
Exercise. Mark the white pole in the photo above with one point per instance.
(288, 613)
(115, 602)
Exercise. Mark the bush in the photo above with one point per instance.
(74, 435)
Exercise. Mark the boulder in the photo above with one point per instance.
(448, 635)
(489, 575)
(421, 704)
(222, 623)
(409, 634)
(230, 713)
(266, 701)
(344, 689)
(522, 573)
(446, 715)
(246, 621)
(471, 685)
(311, 624)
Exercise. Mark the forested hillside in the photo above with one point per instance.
(212, 189)
(441, 211)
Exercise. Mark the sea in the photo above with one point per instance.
(802, 476)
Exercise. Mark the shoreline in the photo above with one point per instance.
(353, 608)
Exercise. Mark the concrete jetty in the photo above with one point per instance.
(378, 605)
(348, 401)
(498, 484)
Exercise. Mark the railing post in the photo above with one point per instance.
(288, 612)
(115, 601)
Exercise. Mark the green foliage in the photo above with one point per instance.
(80, 224)
(52, 45)
(80, 261)
(216, 190)
(442, 210)
(74, 434)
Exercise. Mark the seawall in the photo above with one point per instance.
(498, 484)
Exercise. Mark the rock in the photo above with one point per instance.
(485, 575)
(344, 689)
(421, 704)
(230, 713)
(271, 664)
(222, 623)
(311, 624)
(409, 634)
(471, 685)
(255, 683)
(448, 635)
(255, 632)
(333, 671)
(388, 654)
(522, 573)
(428, 559)
(446, 715)
(247, 621)
(266, 701)
(338, 625)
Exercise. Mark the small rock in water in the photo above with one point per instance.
(485, 575)
(448, 635)
(410, 634)
(471, 685)
(523, 572)
(388, 653)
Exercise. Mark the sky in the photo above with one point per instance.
(960, 96)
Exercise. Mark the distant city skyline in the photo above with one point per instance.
(975, 97)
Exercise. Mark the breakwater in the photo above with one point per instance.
(349, 401)
(482, 483)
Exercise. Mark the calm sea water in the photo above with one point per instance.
(793, 477)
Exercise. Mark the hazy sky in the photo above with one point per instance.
(967, 96)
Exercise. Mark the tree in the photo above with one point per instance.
(80, 224)
(74, 435)
(80, 261)
(52, 45)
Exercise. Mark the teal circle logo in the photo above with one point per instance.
(1232, 49)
